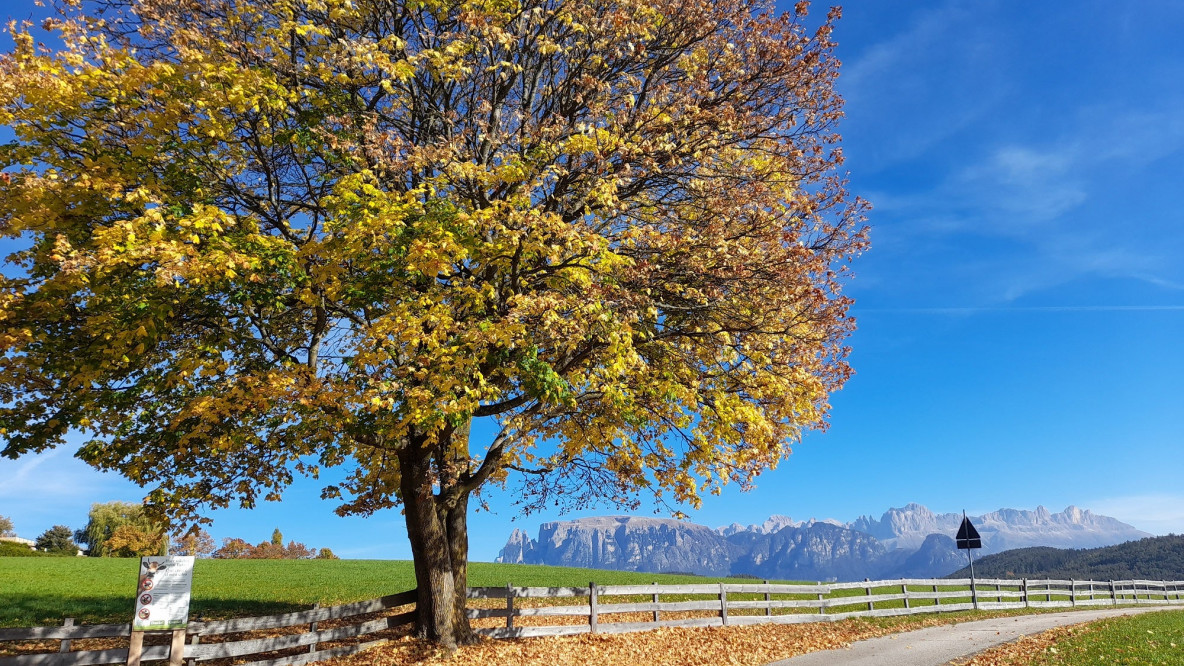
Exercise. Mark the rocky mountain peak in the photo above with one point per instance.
(909, 541)
(519, 549)
(774, 523)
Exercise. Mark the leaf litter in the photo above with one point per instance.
(750, 645)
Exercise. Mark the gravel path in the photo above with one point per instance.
(935, 646)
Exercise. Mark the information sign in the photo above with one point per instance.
(162, 596)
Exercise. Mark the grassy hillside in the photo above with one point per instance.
(43, 591)
(1153, 558)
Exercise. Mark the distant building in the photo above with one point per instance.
(27, 542)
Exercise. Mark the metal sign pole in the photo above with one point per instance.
(973, 591)
(969, 539)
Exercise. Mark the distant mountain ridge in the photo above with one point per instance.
(910, 541)
(907, 527)
(1153, 558)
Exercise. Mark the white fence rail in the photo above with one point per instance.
(311, 641)
(721, 604)
(523, 611)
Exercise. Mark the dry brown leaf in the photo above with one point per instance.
(1021, 652)
(752, 645)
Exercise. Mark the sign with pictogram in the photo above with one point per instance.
(162, 595)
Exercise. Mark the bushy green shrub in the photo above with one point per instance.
(14, 549)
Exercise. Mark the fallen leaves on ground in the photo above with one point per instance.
(751, 645)
(1025, 650)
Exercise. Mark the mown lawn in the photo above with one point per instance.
(44, 591)
(1149, 639)
(37, 591)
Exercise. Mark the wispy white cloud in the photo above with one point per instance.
(889, 86)
(1002, 177)
(1160, 513)
(50, 474)
(1053, 205)
(52, 488)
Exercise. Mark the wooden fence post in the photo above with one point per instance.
(768, 608)
(655, 602)
(1072, 592)
(1024, 594)
(135, 648)
(1113, 594)
(65, 646)
(312, 627)
(904, 590)
(592, 619)
(868, 589)
(177, 648)
(194, 641)
(821, 602)
(723, 604)
(936, 599)
(509, 606)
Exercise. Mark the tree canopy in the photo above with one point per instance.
(236, 548)
(268, 238)
(196, 543)
(57, 539)
(122, 529)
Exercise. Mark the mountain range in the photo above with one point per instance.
(906, 542)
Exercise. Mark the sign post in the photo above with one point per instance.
(163, 591)
(969, 539)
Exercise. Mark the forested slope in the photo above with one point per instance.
(1153, 558)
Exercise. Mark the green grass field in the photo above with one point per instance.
(1150, 639)
(38, 591)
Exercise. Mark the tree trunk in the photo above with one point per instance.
(439, 549)
(458, 543)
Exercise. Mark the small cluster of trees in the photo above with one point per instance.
(123, 529)
(271, 550)
(113, 529)
(57, 540)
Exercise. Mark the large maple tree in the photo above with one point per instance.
(262, 239)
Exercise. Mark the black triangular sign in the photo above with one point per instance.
(968, 536)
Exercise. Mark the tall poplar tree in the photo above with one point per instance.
(265, 238)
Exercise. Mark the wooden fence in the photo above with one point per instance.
(723, 604)
(195, 650)
(525, 611)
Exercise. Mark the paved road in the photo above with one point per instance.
(935, 646)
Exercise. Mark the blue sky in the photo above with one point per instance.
(1021, 312)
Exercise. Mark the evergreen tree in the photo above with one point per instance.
(57, 539)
